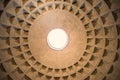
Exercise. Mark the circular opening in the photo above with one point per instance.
(57, 39)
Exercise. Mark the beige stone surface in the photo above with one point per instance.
(93, 51)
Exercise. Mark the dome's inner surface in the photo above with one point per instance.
(86, 45)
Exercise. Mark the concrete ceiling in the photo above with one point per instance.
(93, 51)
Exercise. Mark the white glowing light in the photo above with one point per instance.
(57, 39)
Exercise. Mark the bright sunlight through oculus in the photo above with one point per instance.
(57, 39)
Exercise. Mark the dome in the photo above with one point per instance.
(59, 40)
